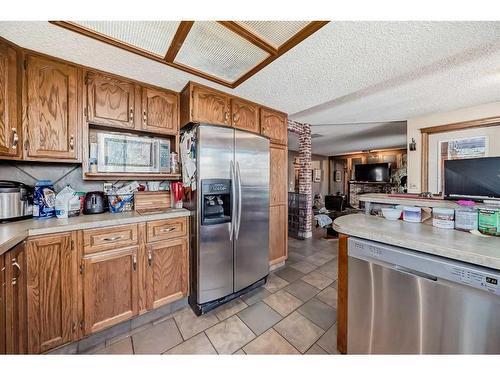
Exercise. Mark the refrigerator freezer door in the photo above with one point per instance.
(215, 247)
(251, 246)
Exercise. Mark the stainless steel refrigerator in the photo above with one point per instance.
(230, 222)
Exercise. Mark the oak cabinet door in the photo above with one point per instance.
(168, 264)
(274, 125)
(210, 107)
(52, 104)
(51, 267)
(15, 300)
(2, 305)
(278, 181)
(245, 115)
(110, 101)
(278, 246)
(9, 126)
(110, 287)
(160, 111)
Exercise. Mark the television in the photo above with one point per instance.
(477, 178)
(376, 172)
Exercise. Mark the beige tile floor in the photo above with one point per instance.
(294, 313)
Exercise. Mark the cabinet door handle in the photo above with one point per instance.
(72, 142)
(110, 239)
(167, 230)
(150, 258)
(18, 273)
(131, 114)
(15, 138)
(144, 117)
(134, 262)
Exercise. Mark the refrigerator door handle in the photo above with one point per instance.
(233, 200)
(238, 218)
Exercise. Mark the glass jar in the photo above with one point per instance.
(466, 216)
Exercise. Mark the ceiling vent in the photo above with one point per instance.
(225, 52)
(316, 135)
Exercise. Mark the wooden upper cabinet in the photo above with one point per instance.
(9, 126)
(110, 288)
(160, 111)
(278, 186)
(110, 101)
(274, 125)
(245, 115)
(52, 110)
(51, 266)
(167, 280)
(15, 300)
(209, 106)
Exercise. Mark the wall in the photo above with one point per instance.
(317, 162)
(415, 124)
(59, 174)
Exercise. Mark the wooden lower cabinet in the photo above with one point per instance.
(15, 300)
(167, 272)
(51, 264)
(110, 288)
(278, 234)
(53, 293)
(2, 305)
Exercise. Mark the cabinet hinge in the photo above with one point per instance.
(25, 64)
(82, 268)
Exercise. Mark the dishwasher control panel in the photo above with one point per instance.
(421, 264)
(477, 279)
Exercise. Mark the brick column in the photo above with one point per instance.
(305, 179)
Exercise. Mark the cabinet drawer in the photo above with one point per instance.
(109, 238)
(165, 229)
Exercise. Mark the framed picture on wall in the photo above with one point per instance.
(316, 175)
(337, 176)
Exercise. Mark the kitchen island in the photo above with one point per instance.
(451, 244)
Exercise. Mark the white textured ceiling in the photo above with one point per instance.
(346, 73)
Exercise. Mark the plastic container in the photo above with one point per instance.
(391, 213)
(44, 200)
(120, 203)
(488, 221)
(412, 214)
(443, 218)
(466, 216)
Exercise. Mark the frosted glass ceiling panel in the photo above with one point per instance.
(213, 49)
(151, 36)
(274, 32)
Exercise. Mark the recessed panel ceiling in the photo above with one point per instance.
(274, 32)
(215, 50)
(151, 36)
(225, 52)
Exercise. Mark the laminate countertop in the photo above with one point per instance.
(453, 244)
(13, 233)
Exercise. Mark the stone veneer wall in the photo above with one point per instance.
(305, 180)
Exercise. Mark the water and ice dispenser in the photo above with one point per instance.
(216, 198)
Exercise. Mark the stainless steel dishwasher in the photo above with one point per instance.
(408, 302)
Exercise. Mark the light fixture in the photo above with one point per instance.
(412, 146)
